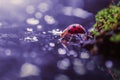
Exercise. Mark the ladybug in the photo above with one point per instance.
(73, 29)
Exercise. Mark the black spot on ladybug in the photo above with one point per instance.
(74, 26)
(69, 31)
(79, 29)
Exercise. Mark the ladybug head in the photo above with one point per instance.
(64, 33)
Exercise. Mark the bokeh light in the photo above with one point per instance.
(61, 51)
(28, 69)
(79, 67)
(31, 47)
(109, 64)
(30, 9)
(61, 77)
(32, 21)
(84, 55)
(63, 64)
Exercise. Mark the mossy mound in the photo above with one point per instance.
(107, 20)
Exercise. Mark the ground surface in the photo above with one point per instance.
(30, 51)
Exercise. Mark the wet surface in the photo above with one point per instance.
(30, 48)
(41, 56)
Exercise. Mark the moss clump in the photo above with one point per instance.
(107, 19)
(115, 38)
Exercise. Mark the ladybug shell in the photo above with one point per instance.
(76, 29)
(73, 29)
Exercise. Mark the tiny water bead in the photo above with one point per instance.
(61, 51)
(52, 44)
(39, 27)
(29, 29)
(31, 37)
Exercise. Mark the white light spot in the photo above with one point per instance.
(8, 52)
(39, 27)
(1, 24)
(52, 44)
(43, 7)
(28, 39)
(29, 29)
(84, 55)
(56, 32)
(30, 9)
(61, 77)
(78, 12)
(38, 15)
(35, 38)
(62, 51)
(31, 39)
(44, 32)
(32, 21)
(29, 69)
(63, 64)
(49, 19)
(67, 11)
(109, 64)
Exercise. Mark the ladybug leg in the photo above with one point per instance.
(80, 37)
(71, 37)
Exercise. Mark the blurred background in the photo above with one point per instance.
(29, 46)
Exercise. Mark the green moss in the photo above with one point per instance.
(94, 32)
(108, 18)
(115, 38)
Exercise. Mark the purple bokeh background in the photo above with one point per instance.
(29, 50)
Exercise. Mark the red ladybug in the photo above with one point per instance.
(73, 29)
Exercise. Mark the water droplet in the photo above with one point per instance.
(29, 29)
(62, 51)
(52, 44)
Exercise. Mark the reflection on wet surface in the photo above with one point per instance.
(30, 47)
(41, 56)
